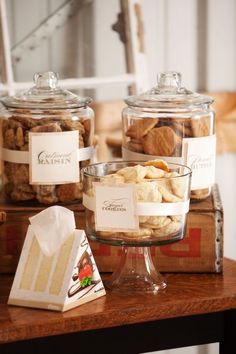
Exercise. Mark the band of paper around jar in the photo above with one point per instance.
(131, 155)
(147, 208)
(16, 156)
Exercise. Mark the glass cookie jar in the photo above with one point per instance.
(47, 137)
(174, 124)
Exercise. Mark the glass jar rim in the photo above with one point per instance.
(85, 172)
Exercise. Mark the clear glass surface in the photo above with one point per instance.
(161, 121)
(46, 110)
(136, 271)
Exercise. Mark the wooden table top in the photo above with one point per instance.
(186, 295)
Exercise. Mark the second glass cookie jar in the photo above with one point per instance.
(174, 124)
(47, 137)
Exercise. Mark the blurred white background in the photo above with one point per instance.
(195, 37)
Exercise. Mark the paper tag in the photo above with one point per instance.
(115, 208)
(53, 158)
(199, 154)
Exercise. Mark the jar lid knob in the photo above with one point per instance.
(46, 80)
(169, 81)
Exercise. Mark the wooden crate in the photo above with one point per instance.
(200, 251)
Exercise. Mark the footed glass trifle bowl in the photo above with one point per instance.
(136, 205)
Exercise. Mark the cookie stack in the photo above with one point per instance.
(47, 137)
(175, 124)
(160, 201)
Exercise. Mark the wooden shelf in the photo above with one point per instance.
(185, 296)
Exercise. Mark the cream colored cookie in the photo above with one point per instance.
(141, 233)
(166, 192)
(178, 185)
(143, 219)
(176, 218)
(105, 234)
(133, 173)
(154, 172)
(156, 222)
(159, 163)
(113, 178)
(172, 228)
(148, 192)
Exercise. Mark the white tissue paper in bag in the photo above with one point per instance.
(52, 227)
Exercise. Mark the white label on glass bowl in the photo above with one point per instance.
(115, 208)
(53, 158)
(147, 208)
(199, 154)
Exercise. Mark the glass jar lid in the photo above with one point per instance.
(168, 93)
(46, 94)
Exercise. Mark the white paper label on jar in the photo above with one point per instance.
(53, 158)
(199, 154)
(115, 208)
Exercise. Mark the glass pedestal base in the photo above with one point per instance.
(136, 272)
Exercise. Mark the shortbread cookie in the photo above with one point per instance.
(135, 145)
(176, 218)
(143, 232)
(156, 222)
(160, 141)
(105, 234)
(113, 179)
(201, 126)
(152, 185)
(178, 185)
(141, 127)
(158, 163)
(133, 173)
(166, 192)
(148, 192)
(170, 229)
(182, 127)
(200, 194)
(153, 172)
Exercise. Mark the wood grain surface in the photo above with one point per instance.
(186, 295)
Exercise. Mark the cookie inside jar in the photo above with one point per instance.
(159, 204)
(47, 137)
(175, 124)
